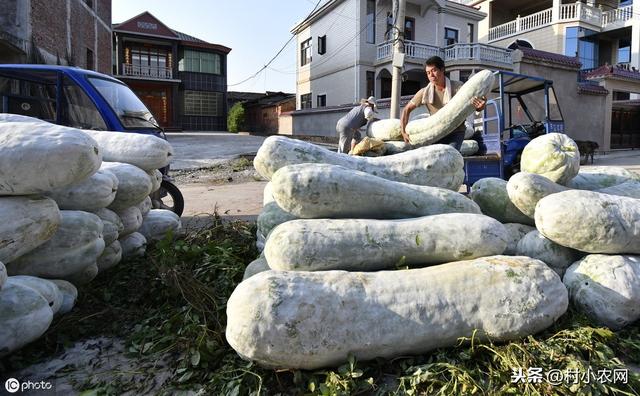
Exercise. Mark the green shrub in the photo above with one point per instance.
(235, 120)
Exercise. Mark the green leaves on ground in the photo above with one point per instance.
(170, 307)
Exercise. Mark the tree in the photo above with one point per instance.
(235, 120)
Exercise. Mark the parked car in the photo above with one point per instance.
(84, 99)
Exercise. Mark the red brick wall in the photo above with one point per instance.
(82, 33)
(49, 30)
(49, 26)
(103, 8)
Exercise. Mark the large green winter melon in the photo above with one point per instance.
(331, 191)
(309, 320)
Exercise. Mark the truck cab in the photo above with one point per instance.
(519, 108)
(83, 99)
(74, 97)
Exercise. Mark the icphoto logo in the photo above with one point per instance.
(12, 385)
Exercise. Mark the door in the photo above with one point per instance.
(158, 102)
(625, 127)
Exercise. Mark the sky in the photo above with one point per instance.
(255, 31)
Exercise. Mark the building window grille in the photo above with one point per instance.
(321, 101)
(305, 101)
(450, 36)
(305, 52)
(200, 103)
(322, 44)
(371, 21)
(200, 62)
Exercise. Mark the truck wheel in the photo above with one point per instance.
(168, 197)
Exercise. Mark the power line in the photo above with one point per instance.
(277, 54)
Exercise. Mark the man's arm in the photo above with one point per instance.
(404, 119)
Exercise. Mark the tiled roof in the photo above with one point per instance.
(550, 57)
(612, 71)
(593, 89)
(270, 98)
(186, 37)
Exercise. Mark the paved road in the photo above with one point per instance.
(204, 149)
(629, 159)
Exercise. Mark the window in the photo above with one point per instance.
(90, 65)
(147, 61)
(624, 51)
(199, 62)
(322, 44)
(450, 36)
(582, 43)
(128, 107)
(321, 101)
(470, 33)
(305, 52)
(201, 103)
(571, 41)
(410, 29)
(305, 101)
(370, 83)
(80, 111)
(465, 75)
(371, 21)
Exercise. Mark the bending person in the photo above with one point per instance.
(348, 127)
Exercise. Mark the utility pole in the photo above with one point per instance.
(398, 56)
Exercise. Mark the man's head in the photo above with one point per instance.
(434, 68)
(371, 101)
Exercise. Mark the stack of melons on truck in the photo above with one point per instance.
(383, 257)
(65, 214)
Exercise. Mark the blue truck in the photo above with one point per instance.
(519, 108)
(83, 99)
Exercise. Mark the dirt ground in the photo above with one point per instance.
(233, 188)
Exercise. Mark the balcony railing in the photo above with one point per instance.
(621, 14)
(477, 52)
(129, 69)
(567, 12)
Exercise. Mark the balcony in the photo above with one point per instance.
(155, 72)
(576, 12)
(475, 52)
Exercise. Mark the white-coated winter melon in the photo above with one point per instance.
(144, 151)
(554, 156)
(39, 157)
(134, 185)
(159, 223)
(24, 316)
(112, 225)
(110, 257)
(131, 220)
(133, 245)
(93, 193)
(25, 224)
(76, 244)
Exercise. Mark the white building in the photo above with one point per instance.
(345, 48)
(590, 49)
(603, 34)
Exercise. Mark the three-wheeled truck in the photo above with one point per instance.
(519, 108)
(83, 99)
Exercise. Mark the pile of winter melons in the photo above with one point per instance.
(72, 204)
(381, 257)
